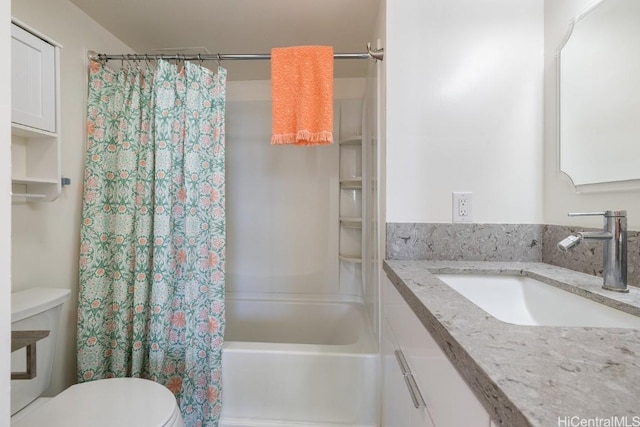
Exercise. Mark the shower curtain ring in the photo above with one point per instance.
(218, 60)
(200, 59)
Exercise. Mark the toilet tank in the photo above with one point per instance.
(35, 309)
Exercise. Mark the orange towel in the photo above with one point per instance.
(302, 95)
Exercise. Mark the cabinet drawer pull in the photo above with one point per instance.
(414, 391)
(404, 366)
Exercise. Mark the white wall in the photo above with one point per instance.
(46, 235)
(5, 210)
(464, 109)
(560, 196)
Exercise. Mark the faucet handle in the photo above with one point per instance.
(586, 213)
(603, 213)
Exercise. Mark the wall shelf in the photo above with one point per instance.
(27, 196)
(30, 180)
(351, 183)
(351, 258)
(355, 140)
(351, 222)
(31, 132)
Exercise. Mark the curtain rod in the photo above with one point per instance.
(376, 55)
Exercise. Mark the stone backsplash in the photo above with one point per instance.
(464, 242)
(503, 242)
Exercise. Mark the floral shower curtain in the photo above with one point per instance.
(151, 300)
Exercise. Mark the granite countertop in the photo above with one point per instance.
(530, 375)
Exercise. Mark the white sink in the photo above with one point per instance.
(524, 301)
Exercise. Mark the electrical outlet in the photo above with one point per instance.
(462, 207)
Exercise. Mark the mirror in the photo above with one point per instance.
(599, 95)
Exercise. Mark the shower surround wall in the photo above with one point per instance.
(283, 201)
(503, 242)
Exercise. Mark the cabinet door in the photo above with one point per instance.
(398, 409)
(449, 400)
(33, 81)
(396, 400)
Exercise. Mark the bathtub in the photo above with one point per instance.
(293, 362)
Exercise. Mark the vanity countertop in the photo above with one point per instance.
(530, 375)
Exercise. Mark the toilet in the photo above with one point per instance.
(110, 402)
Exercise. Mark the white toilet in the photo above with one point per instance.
(113, 402)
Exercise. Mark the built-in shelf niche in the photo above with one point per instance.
(351, 199)
(352, 195)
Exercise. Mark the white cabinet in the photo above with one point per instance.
(449, 400)
(33, 76)
(35, 127)
(399, 409)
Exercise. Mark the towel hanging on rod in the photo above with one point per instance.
(302, 95)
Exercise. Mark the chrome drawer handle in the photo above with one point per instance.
(410, 381)
(404, 366)
(414, 391)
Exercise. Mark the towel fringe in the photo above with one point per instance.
(303, 137)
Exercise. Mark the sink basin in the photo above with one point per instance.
(524, 301)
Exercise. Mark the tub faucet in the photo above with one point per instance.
(614, 238)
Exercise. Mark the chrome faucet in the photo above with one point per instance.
(614, 237)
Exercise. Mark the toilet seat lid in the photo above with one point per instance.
(106, 403)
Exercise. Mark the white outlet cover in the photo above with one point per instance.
(462, 207)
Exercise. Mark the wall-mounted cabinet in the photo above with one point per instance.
(35, 115)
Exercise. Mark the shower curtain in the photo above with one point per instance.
(151, 298)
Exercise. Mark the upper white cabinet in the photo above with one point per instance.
(33, 77)
(35, 115)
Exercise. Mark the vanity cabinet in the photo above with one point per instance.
(449, 401)
(35, 118)
(399, 408)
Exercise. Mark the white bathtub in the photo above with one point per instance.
(298, 363)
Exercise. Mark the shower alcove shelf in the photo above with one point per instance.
(351, 238)
(35, 115)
